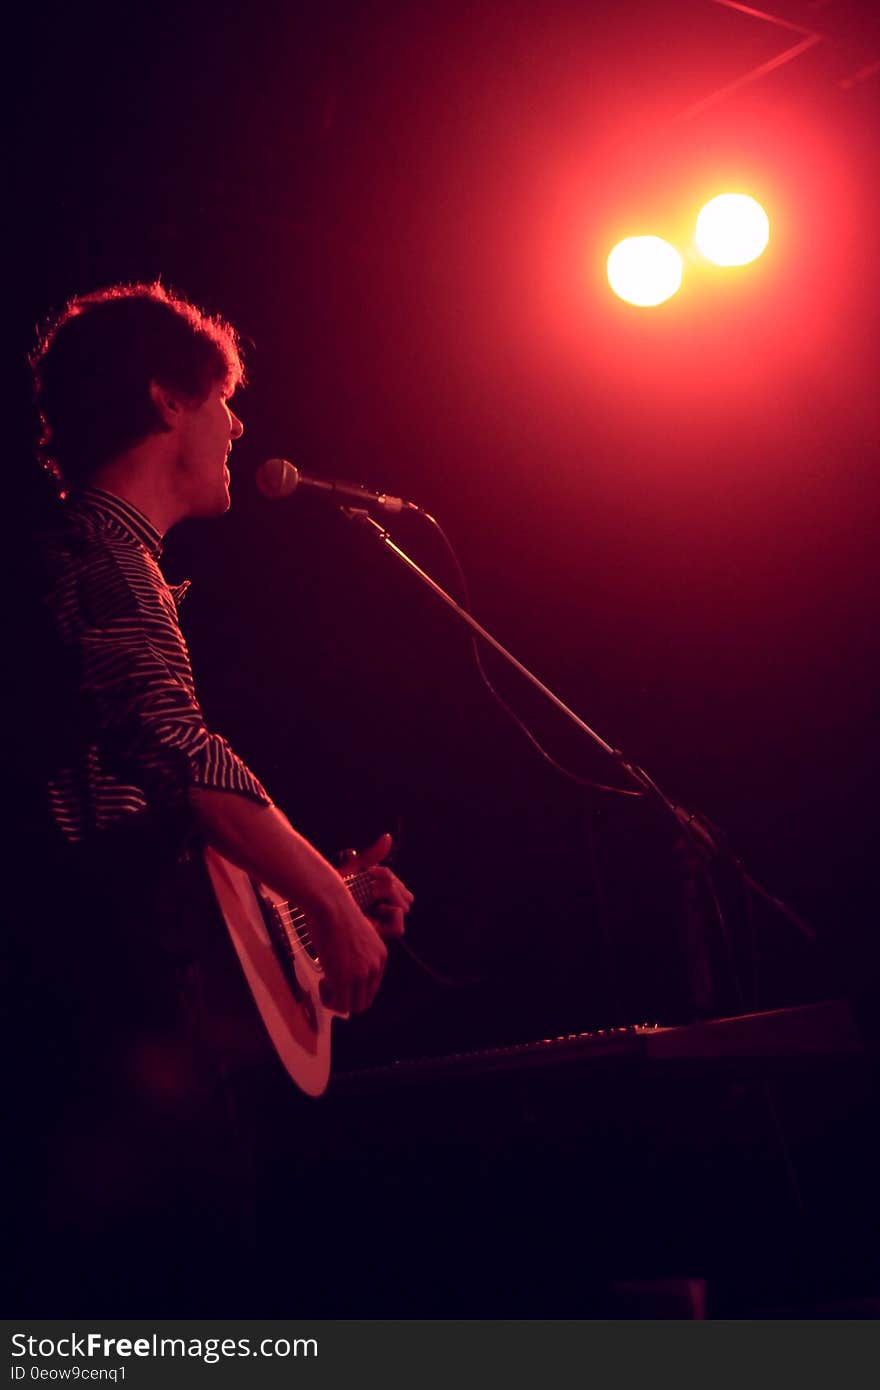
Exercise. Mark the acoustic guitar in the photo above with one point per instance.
(281, 966)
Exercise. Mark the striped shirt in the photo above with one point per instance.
(134, 738)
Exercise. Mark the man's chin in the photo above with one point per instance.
(218, 506)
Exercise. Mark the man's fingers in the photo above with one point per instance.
(350, 985)
(363, 993)
(373, 854)
(386, 887)
(390, 920)
(363, 996)
(334, 998)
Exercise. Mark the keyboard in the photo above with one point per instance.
(801, 1033)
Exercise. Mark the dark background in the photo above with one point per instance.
(669, 515)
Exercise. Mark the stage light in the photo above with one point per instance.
(732, 229)
(644, 270)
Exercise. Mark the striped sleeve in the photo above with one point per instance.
(134, 675)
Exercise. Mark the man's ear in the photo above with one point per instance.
(167, 402)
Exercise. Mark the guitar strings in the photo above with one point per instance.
(289, 916)
(297, 948)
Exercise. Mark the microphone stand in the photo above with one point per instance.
(702, 840)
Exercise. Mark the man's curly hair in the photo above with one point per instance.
(94, 362)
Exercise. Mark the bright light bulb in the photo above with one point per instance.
(732, 229)
(644, 270)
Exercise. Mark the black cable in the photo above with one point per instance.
(499, 699)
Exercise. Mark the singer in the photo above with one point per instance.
(134, 1010)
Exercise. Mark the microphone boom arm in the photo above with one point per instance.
(696, 829)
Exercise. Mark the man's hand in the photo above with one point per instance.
(261, 840)
(390, 900)
(351, 952)
(350, 945)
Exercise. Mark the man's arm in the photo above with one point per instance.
(260, 840)
(135, 678)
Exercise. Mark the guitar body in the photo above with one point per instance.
(271, 941)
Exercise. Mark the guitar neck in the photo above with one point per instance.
(358, 885)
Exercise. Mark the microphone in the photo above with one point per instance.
(279, 478)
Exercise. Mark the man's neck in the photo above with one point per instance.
(142, 482)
